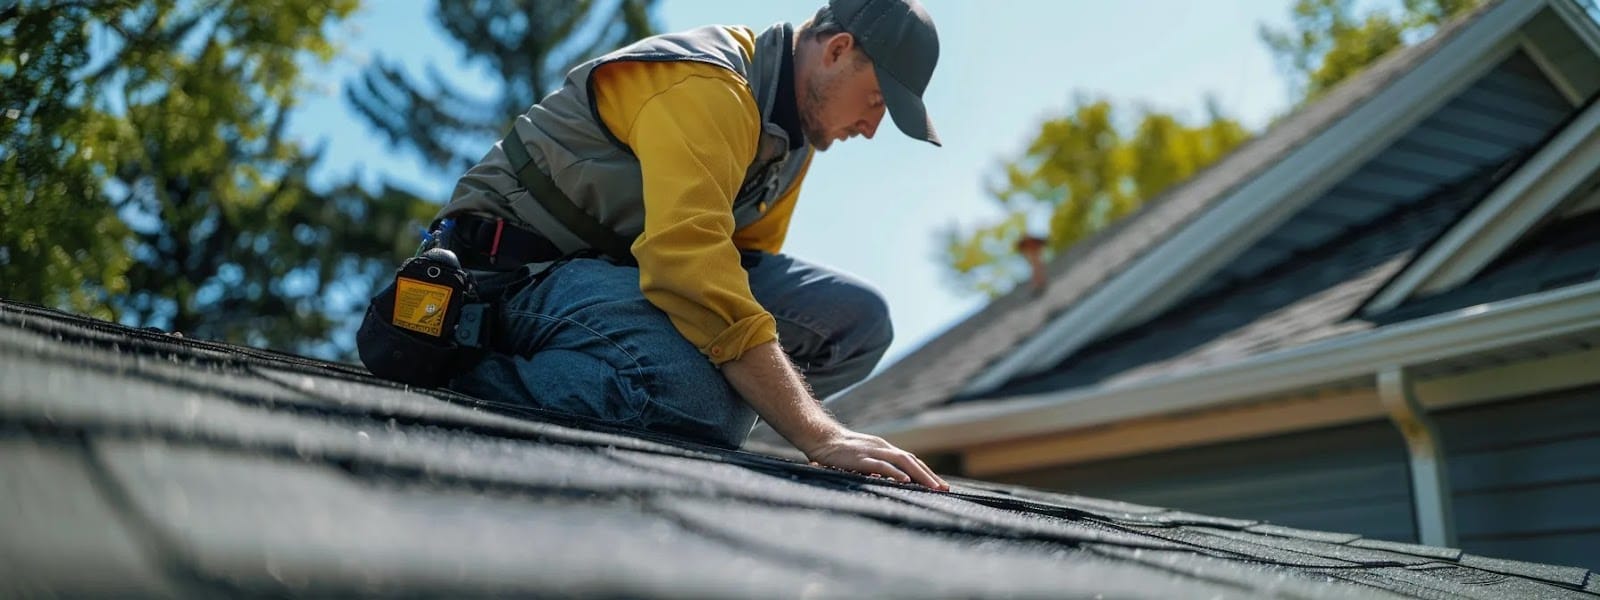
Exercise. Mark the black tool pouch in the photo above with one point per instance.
(427, 326)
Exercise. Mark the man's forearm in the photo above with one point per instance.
(766, 380)
(772, 386)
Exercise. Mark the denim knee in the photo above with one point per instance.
(583, 384)
(585, 341)
(862, 325)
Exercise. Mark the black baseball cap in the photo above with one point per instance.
(899, 37)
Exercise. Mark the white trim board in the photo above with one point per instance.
(1464, 332)
(1537, 189)
(1164, 274)
(1171, 432)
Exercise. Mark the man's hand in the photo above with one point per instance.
(863, 453)
(766, 380)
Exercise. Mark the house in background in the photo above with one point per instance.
(1381, 316)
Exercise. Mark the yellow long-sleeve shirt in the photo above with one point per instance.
(695, 128)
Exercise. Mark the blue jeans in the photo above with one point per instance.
(585, 341)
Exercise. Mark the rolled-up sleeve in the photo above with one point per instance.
(694, 137)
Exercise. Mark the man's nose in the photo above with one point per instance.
(869, 127)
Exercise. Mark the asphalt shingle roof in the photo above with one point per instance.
(135, 462)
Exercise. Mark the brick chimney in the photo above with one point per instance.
(1032, 248)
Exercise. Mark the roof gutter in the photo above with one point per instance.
(1356, 356)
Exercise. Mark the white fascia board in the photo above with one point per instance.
(1163, 275)
(1356, 356)
(1521, 201)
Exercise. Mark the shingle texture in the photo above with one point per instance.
(134, 462)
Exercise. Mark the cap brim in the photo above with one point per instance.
(906, 108)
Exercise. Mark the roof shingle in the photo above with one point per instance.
(140, 463)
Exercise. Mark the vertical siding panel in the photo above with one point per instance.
(1526, 474)
(1349, 479)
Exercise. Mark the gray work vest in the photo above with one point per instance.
(568, 141)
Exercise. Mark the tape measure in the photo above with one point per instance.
(430, 290)
(429, 326)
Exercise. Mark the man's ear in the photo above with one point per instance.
(838, 47)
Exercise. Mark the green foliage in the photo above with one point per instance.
(58, 245)
(1082, 172)
(148, 177)
(1328, 42)
(527, 45)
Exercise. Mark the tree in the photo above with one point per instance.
(1082, 171)
(58, 245)
(152, 149)
(526, 44)
(1328, 42)
(1079, 174)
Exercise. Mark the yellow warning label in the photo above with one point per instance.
(420, 306)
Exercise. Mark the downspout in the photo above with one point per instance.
(1430, 478)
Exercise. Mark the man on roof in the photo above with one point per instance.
(652, 193)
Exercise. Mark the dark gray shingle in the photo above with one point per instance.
(150, 465)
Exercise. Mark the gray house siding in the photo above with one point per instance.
(1526, 476)
(1343, 479)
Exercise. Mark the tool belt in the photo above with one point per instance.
(494, 244)
(430, 324)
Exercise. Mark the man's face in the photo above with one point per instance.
(841, 99)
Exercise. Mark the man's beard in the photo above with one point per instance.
(815, 95)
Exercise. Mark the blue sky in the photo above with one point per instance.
(873, 207)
